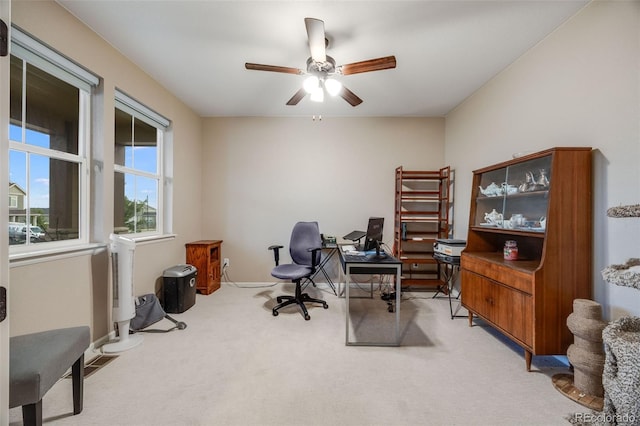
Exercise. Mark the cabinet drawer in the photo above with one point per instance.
(501, 271)
(508, 309)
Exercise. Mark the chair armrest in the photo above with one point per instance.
(276, 253)
(313, 251)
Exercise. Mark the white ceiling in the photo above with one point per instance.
(445, 50)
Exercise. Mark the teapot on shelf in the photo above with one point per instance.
(492, 190)
(509, 189)
(493, 217)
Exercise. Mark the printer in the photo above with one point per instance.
(448, 250)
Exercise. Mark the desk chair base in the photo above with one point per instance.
(300, 298)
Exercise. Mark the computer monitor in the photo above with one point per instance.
(373, 239)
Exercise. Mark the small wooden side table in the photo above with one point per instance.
(205, 256)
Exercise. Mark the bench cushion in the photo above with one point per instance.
(38, 360)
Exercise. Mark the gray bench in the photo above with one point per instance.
(38, 361)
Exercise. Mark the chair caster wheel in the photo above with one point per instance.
(275, 313)
(325, 306)
(307, 317)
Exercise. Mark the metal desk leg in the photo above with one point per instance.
(447, 277)
(321, 266)
(346, 296)
(450, 281)
(397, 307)
(329, 281)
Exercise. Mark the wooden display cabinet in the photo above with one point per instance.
(205, 256)
(543, 202)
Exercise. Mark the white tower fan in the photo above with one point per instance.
(124, 309)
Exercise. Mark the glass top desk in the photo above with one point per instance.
(358, 264)
(330, 249)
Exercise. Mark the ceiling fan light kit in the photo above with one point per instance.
(321, 68)
(317, 95)
(315, 87)
(333, 86)
(311, 83)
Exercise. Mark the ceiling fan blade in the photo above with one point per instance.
(297, 97)
(350, 97)
(272, 68)
(371, 65)
(317, 44)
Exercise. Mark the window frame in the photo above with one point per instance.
(139, 111)
(35, 53)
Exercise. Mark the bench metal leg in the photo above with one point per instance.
(32, 414)
(77, 375)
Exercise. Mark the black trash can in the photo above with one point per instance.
(179, 283)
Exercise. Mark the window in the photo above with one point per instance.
(48, 146)
(139, 168)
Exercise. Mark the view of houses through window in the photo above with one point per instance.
(49, 141)
(137, 178)
(45, 161)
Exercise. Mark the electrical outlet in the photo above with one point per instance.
(225, 262)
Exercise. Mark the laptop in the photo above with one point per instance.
(354, 235)
(372, 237)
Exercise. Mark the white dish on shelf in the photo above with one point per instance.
(530, 228)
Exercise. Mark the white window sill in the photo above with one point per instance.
(149, 239)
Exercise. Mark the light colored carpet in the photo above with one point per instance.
(236, 364)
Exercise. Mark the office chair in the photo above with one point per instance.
(304, 249)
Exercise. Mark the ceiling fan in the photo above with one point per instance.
(321, 68)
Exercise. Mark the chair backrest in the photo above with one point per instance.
(304, 235)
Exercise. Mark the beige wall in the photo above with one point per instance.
(76, 290)
(264, 174)
(248, 180)
(578, 87)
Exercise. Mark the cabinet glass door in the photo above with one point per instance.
(490, 199)
(514, 197)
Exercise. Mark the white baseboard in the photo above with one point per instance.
(94, 348)
(253, 284)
